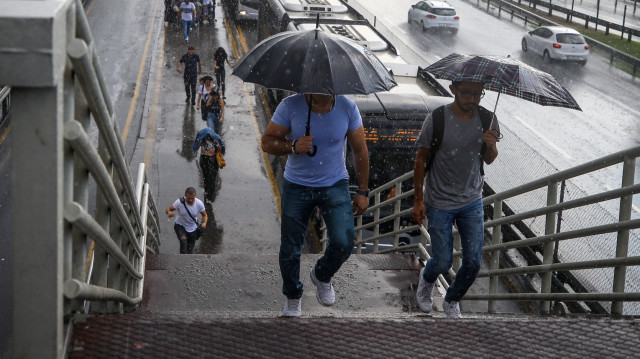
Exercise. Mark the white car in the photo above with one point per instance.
(434, 15)
(557, 43)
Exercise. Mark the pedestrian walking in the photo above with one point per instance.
(206, 86)
(209, 144)
(215, 111)
(192, 67)
(454, 142)
(187, 14)
(219, 58)
(198, 14)
(317, 181)
(186, 227)
(208, 13)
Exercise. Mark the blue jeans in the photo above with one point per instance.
(187, 239)
(213, 122)
(470, 222)
(186, 27)
(298, 203)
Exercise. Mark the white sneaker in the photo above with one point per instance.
(424, 294)
(324, 291)
(452, 309)
(292, 308)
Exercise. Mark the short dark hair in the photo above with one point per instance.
(190, 48)
(190, 191)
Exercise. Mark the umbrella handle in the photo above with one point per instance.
(313, 152)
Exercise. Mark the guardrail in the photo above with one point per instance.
(81, 227)
(618, 265)
(529, 17)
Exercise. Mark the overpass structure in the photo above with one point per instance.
(92, 281)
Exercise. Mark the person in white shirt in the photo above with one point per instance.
(186, 227)
(187, 14)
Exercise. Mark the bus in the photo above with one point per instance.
(242, 10)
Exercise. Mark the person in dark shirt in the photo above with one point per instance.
(192, 67)
(218, 62)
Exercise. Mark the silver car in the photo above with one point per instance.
(434, 15)
(557, 43)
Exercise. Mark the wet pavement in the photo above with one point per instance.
(243, 216)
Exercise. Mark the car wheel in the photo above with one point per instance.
(409, 19)
(546, 57)
(424, 29)
(454, 31)
(582, 63)
(525, 48)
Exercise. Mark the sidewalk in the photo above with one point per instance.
(243, 216)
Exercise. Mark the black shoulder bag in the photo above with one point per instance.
(199, 229)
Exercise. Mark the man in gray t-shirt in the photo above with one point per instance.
(453, 192)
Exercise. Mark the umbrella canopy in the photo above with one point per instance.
(313, 61)
(505, 75)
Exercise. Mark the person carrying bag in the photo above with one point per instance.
(187, 227)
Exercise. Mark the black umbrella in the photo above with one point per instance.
(313, 61)
(505, 75)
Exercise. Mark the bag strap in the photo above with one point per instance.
(187, 208)
(486, 117)
(436, 134)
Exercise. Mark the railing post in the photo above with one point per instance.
(547, 256)
(376, 217)
(396, 210)
(33, 64)
(457, 245)
(496, 238)
(622, 245)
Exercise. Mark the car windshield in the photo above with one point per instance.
(444, 12)
(570, 38)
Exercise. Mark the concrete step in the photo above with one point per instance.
(244, 283)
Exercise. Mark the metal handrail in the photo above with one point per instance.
(498, 220)
(70, 274)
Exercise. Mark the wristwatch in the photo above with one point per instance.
(293, 147)
(363, 193)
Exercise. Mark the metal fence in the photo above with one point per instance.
(616, 260)
(81, 226)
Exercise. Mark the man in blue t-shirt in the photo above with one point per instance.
(320, 181)
(192, 67)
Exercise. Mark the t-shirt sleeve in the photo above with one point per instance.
(424, 138)
(281, 115)
(200, 206)
(355, 120)
(182, 59)
(197, 57)
(177, 203)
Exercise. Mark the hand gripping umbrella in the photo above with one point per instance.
(314, 62)
(504, 75)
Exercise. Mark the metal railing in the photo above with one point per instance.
(81, 226)
(602, 235)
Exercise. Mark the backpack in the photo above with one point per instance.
(438, 132)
